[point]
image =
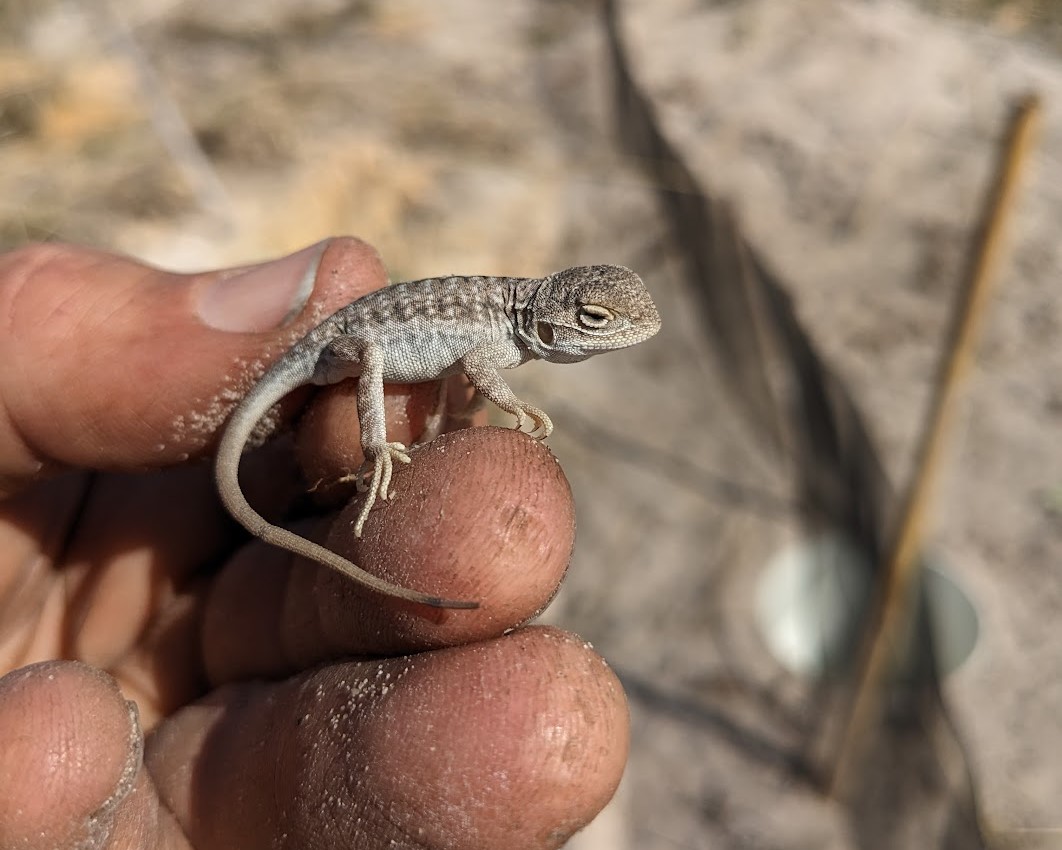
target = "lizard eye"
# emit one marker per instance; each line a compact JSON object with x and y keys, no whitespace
{"x":545,"y":332}
{"x":594,"y":316}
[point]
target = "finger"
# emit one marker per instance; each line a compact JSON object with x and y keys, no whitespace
{"x":483,"y":514}
{"x":128,"y":546}
{"x":328,"y":441}
{"x":90,"y":561}
{"x":108,"y":363}
{"x":515,"y":742}
{"x":70,"y":764}
{"x":109,"y":568}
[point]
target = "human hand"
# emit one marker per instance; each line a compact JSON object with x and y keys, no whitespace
{"x":120,"y":580}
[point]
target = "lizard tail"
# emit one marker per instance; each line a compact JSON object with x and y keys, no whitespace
{"x":256,"y":404}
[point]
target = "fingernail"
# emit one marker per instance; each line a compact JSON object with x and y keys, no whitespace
{"x":262,"y":297}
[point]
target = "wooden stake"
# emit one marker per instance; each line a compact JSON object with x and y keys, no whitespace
{"x":902,"y":566}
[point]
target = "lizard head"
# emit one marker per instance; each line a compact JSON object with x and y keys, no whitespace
{"x":586,"y":310}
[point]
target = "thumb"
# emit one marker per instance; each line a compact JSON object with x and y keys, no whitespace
{"x":109,"y":363}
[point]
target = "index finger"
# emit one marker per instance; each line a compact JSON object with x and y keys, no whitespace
{"x":483,"y":514}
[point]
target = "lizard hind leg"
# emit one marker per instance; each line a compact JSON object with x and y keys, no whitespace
{"x":382,"y":461}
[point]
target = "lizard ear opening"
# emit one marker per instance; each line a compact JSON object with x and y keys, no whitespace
{"x":545,"y":332}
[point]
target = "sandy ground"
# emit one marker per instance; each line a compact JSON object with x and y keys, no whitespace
{"x":855,"y":139}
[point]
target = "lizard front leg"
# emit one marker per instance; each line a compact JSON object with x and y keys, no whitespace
{"x":484,"y":375}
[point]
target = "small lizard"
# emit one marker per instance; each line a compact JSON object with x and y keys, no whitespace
{"x":424,"y":330}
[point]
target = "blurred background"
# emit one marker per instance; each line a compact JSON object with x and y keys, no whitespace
{"x":800,"y":183}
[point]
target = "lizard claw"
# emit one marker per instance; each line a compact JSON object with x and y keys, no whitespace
{"x":382,"y":458}
{"x":358,"y":477}
{"x":543,"y":426}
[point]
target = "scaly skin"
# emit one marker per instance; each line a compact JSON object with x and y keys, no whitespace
{"x":424,"y":330}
